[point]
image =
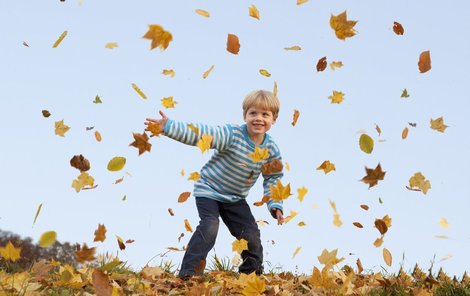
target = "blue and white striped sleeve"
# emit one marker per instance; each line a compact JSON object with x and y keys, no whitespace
{"x":271,"y":180}
{"x":222,"y":136}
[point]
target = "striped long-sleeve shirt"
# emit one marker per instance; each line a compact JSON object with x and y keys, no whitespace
{"x":230,"y":173}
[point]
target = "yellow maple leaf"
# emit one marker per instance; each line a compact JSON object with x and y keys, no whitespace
{"x":204,"y":143}
{"x":253,"y":11}
{"x":10,"y":252}
{"x":254,"y":285}
{"x":418,"y":180}
{"x":438,"y":124}
{"x":301,"y":192}
{"x":202,"y":12}
{"x":336,"y":64}
{"x":194,"y":176}
{"x":207,"y":72}
{"x":168,"y":102}
{"x":329,"y":258}
{"x":61,"y":128}
{"x":169,"y":72}
{"x":337,"y":97}
{"x":297,"y":250}
{"x":327,"y":167}
{"x":160,"y":37}
{"x":342,"y":27}
{"x":264,"y":72}
{"x":443,"y":223}
{"x":259,"y":154}
{"x":240,"y":245}
{"x":187,"y":225}
{"x":111,"y":45}
{"x":279,"y":192}
{"x":83,"y":181}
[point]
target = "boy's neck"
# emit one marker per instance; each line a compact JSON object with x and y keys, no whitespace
{"x":257,"y":139}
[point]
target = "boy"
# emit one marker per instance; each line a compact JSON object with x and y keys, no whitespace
{"x":227,"y":178}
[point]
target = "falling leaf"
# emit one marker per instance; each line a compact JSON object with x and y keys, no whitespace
{"x":89,"y":128}
{"x":240,"y":245}
{"x":47,"y":239}
{"x":404,"y":133}
{"x":358,"y":225}
{"x":342,"y":27}
{"x":254,"y":286}
{"x":83,"y":254}
{"x":295,"y":47}
{"x":275,"y":88}
{"x":424,"y":63}
{"x":180,"y":236}
{"x":380,"y":200}
{"x":412,"y":124}
{"x":419,"y":181}
{"x":61,"y":128}
{"x":141,"y":142}
{"x":80,"y":162}
{"x":175,"y":249}
{"x":378,"y":242}
{"x":46,"y":113}
{"x":100,"y":233}
{"x":387,"y":257}
{"x":194,"y":176}
{"x":381,"y":226}
{"x":301,"y":193}
{"x":182,"y":172}
{"x":59,"y":40}
{"x":327,"y":167}
{"x":264,"y":72}
{"x":170,"y":211}
{"x":202,"y":12}
{"x":253,"y":11}
{"x":301,"y":224}
{"x":111,"y":45}
{"x":119,"y":180}
{"x":359,"y":265}
{"x":446,"y":257}
{"x":295,"y":117}
{"x":398,"y":28}
{"x":259,"y":154}
{"x":300,"y":2}
{"x":337,"y":220}
{"x":441,"y":236}
{"x":373,"y":176}
{"x":438,"y":124}
{"x":297,"y":250}
{"x":160,"y":37}
{"x":98,"y":136}
{"x":168,"y":102}
{"x":25,"y":44}
{"x":377,"y":128}
{"x":10,"y":252}
{"x":272,"y":167}
{"x":287,"y":166}
{"x":279,"y":192}
{"x":139,"y":91}
{"x":264,"y":200}
{"x":366,"y":143}
{"x":101,"y":283}
{"x":443,"y":223}
{"x":117,"y":163}
{"x":124,"y":197}
{"x":207,"y":72}
{"x":337,"y":97}
{"x":233,"y":44}
{"x":83,"y":181}
{"x":329,"y":258}
{"x":187,"y":225}
{"x":154,"y":128}
{"x":321,"y":64}
{"x":365,"y":207}
{"x":404,"y":93}
{"x":37,"y":213}
{"x":170,"y":72}
{"x":291,"y":216}
{"x":336,"y":64}
{"x":204,"y":143}
{"x":184,"y":197}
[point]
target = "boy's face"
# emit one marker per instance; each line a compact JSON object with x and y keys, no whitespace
{"x":258,"y":121}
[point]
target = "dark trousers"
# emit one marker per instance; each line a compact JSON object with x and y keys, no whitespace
{"x":241,"y":224}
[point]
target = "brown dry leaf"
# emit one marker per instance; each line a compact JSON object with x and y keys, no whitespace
{"x":98,"y":136}
{"x":41,"y":269}
{"x":359,"y":265}
{"x":419,"y":181}
{"x":158,"y":35}
{"x":170,"y":211}
{"x":329,"y":258}
{"x":343,"y":28}
{"x":373,"y":176}
{"x":141,"y":142}
{"x":358,"y":225}
{"x":272,"y":167}
{"x":398,"y":28}
{"x":84,"y":254}
{"x":424,"y":63}
{"x":365,"y":207}
{"x":438,"y":124}
{"x":202,"y":12}
{"x":327,"y":167}
{"x":187,"y":226}
{"x":184,"y":196}
{"x":253,"y":11}
{"x":264,"y":200}
{"x":100,"y":233}
{"x":321,"y":64}
{"x":207,"y":72}
{"x":46,"y":113}
{"x":180,"y":237}
{"x":101,"y":283}
{"x":404,"y":133}
{"x":80,"y":163}
{"x":387,"y":257}
{"x":59,"y":40}
{"x":233,"y":44}
{"x":175,"y":249}
{"x":295,"y":117}
{"x":129,"y":241}
{"x":377,"y":128}
{"x":61,"y":128}
{"x":121,"y":244}
{"x":381,"y":226}
{"x":84,"y":181}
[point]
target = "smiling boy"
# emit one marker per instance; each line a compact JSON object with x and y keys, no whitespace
{"x":227,"y":178}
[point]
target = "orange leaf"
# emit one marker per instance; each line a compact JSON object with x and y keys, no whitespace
{"x":365,"y":207}
{"x":264,"y":200}
{"x":202,"y":12}
{"x":327,"y":167}
{"x":184,"y":196}
{"x":424,"y":63}
{"x":83,"y":254}
{"x":296,"y":116}
{"x":343,"y":28}
{"x":187,"y":225}
{"x":100,"y":233}
{"x":141,"y":142}
{"x":387,"y":257}
{"x":233,"y":44}
{"x":373,"y":176}
{"x":358,"y":225}
{"x":98,"y":136}
{"x":404,"y":133}
{"x":160,"y":37}
{"x":398,"y":28}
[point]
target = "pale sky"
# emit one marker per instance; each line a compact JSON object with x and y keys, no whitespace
{"x":378,"y":65}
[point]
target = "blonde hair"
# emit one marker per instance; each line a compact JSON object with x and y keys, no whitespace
{"x":262,"y":99}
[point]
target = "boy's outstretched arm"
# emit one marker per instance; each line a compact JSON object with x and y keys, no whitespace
{"x":279,"y":216}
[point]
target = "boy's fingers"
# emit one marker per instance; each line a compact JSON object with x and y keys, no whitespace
{"x":162,"y":114}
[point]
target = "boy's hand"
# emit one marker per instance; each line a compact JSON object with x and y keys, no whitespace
{"x":161,"y":122}
{"x":279,"y":217}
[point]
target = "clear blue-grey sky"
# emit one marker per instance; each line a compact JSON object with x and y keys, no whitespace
{"x":378,"y":65}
